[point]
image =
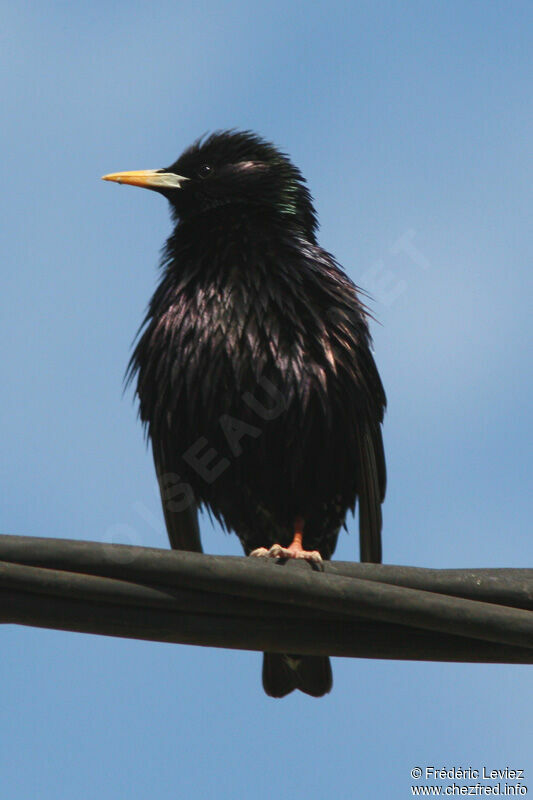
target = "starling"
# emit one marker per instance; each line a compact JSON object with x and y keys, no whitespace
{"x":255,"y":377}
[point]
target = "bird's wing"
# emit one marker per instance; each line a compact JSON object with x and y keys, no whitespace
{"x":371,"y":490}
{"x":372,"y":473}
{"x":347,"y":331}
{"x":179,"y":507}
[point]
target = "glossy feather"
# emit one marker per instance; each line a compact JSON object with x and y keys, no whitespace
{"x":256,"y":347}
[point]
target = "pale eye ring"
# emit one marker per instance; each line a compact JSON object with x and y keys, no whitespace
{"x":205,"y":170}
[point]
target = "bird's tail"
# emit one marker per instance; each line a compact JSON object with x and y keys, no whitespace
{"x":284,"y":673}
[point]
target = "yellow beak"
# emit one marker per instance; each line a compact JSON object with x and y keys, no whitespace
{"x":148,"y":179}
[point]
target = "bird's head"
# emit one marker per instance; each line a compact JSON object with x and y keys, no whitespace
{"x":230,"y":168}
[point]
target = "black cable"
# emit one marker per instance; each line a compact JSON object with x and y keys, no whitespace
{"x":347,"y":609}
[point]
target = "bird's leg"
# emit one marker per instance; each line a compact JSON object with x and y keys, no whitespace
{"x":294,"y":550}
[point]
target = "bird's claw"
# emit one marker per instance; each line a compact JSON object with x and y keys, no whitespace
{"x":277,"y":551}
{"x":260,"y":552}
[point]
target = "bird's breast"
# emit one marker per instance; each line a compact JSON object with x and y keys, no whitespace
{"x":229,"y":315}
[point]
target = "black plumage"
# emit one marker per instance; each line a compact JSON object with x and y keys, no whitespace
{"x":254,"y":371}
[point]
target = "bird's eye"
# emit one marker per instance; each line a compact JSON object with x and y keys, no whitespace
{"x":204,"y":171}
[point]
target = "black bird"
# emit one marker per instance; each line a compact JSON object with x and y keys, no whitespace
{"x":255,"y":377}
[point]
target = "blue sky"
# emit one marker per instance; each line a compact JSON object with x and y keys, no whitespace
{"x":410,"y":122}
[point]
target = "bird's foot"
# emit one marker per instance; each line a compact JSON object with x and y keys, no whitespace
{"x":294,"y":550}
{"x":260,"y":552}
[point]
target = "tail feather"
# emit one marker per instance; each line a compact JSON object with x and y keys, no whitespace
{"x":284,"y":673}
